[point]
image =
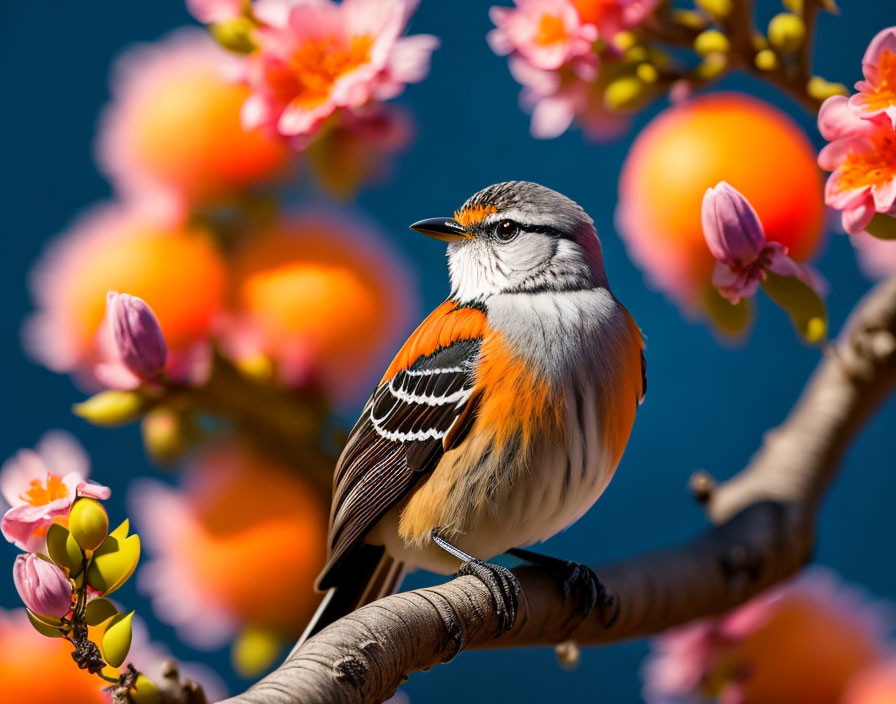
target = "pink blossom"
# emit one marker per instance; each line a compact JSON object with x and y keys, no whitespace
{"x":321,"y":299}
{"x":877,"y":93}
{"x":137,"y":334}
{"x":612,"y":16}
{"x":234,"y":508}
{"x":317,"y":57}
{"x":42,"y":586}
{"x":212,"y":11}
{"x":862,"y":158}
{"x":171,"y":137}
{"x":800,"y":641}
{"x":116,"y":247}
{"x":557,"y":98}
{"x":40,"y":486}
{"x":736,"y":239}
{"x":547,"y":33}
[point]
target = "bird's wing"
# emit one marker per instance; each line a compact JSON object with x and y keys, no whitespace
{"x":423,"y":407}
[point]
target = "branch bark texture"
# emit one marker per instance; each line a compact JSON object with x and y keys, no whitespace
{"x":763,"y":532}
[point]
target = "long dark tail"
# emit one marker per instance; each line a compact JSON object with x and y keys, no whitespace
{"x":373,"y":575}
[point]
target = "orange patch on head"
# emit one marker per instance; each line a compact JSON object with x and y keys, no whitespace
{"x":474,"y":214}
{"x":446,"y":324}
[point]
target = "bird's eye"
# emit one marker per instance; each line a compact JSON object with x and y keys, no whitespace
{"x":507,"y":230}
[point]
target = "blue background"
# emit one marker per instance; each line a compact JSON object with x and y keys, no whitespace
{"x":708,"y":405}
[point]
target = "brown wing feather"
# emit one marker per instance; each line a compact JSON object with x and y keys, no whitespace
{"x":400,"y":438}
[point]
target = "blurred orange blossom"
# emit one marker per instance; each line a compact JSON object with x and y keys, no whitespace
{"x":802,"y":641}
{"x":177,"y":271}
{"x":172,"y":133}
{"x":876,"y":685}
{"x":690,"y":147}
{"x":39,"y":670}
{"x":323,"y":298}
{"x":240,"y":545}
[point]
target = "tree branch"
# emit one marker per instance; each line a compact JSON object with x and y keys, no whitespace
{"x":764,"y":532}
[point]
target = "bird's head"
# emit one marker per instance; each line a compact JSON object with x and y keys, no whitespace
{"x":518,"y":237}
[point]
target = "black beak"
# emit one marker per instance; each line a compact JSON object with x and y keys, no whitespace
{"x":445,"y":229}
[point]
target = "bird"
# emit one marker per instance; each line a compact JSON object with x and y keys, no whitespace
{"x":502,"y":418}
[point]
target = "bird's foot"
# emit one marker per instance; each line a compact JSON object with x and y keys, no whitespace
{"x":579,"y":582}
{"x":503,"y":586}
{"x":582,"y":584}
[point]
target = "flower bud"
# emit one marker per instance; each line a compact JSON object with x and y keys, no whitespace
{"x":731,"y":227}
{"x":144,"y":691}
{"x":42,"y":586}
{"x":712,"y":66}
{"x":235,"y":35}
{"x":717,"y":8}
{"x":88,"y":523}
{"x":820,"y":89}
{"x":110,"y":408}
{"x":712,"y":41}
{"x":786,"y":32}
{"x":766,"y":60}
{"x":689,"y":18}
{"x":138,"y":335}
{"x":624,"y":93}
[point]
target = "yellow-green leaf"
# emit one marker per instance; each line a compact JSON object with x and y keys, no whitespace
{"x":64,"y":550}
{"x":113,"y":563}
{"x":731,"y":320}
{"x":121,"y":532}
{"x":805,"y":307}
{"x":99,"y":610}
{"x":117,"y":639}
{"x":44,"y":628}
{"x":882,"y":226}
{"x":235,"y":35}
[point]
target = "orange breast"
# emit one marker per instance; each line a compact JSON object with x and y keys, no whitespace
{"x":515,"y":400}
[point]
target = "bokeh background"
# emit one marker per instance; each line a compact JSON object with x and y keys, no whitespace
{"x":708,"y":404}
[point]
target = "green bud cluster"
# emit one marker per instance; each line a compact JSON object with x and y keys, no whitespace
{"x":91,"y":556}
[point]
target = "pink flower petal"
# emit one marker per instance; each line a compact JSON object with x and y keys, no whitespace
{"x":836,"y":120}
{"x":551,"y":117}
{"x":18,"y":472}
{"x":856,"y":219}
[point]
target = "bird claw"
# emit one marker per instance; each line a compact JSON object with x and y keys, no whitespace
{"x":503,"y":586}
{"x":581,"y":582}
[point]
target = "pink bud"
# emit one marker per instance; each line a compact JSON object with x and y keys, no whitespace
{"x":731,"y":226}
{"x":137,"y":333}
{"x":43,"y":587}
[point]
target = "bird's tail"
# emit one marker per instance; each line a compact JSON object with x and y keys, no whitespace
{"x":374,"y":575}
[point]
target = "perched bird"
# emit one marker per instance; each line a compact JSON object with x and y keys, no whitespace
{"x":503,"y":417}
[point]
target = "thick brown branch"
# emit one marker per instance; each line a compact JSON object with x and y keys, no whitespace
{"x":764,"y":533}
